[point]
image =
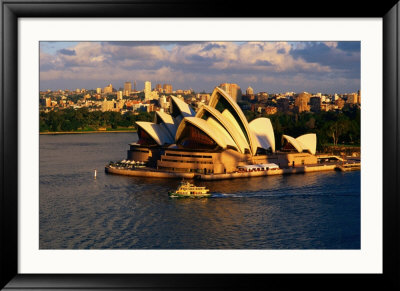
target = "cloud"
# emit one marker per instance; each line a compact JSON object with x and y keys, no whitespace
{"x":340,"y":57}
{"x":67,"y":52}
{"x":151,"y":43}
{"x":352,"y":46}
{"x":331,"y":44}
{"x":212,"y":46}
{"x":203,"y":65}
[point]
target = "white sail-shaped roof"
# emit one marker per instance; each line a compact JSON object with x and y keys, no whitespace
{"x":221,"y":131}
{"x":161,"y":116}
{"x":168,"y":121}
{"x":293,"y":142}
{"x":234,"y":114}
{"x":236,"y":135}
{"x":157,"y":131}
{"x":163,"y":130}
{"x":264,"y":133}
{"x":184,"y":108}
{"x":308,"y":142}
{"x":304,"y":142}
{"x":224,"y":123}
{"x":214,"y":130}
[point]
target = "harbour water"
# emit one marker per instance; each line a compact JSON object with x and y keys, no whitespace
{"x":78,"y":211}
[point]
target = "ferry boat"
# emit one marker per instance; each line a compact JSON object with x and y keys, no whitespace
{"x":187,"y":189}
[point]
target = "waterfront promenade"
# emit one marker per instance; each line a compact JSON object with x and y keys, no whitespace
{"x":153,"y":173}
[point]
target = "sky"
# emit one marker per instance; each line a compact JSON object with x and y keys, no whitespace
{"x":273,"y":67}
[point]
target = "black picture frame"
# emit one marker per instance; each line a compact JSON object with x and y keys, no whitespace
{"x":13,"y":9}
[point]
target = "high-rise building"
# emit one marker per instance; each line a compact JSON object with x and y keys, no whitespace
{"x":119,"y":95}
{"x":46,"y":102}
{"x":233,"y":90}
{"x":127,"y":88}
{"x":301,"y":102}
{"x":108,"y":89}
{"x":167,"y":88}
{"x":250,"y":93}
{"x":98,"y":90}
{"x":148,"y":94}
{"x":315,"y":104}
{"x":159,"y":88}
{"x":352,"y":98}
{"x":147,"y":90}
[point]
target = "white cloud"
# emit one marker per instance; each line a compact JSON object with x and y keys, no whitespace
{"x":206,"y":62}
{"x":331,"y":44}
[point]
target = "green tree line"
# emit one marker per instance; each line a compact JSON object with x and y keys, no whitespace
{"x":83,"y":119}
{"x":331,"y":127}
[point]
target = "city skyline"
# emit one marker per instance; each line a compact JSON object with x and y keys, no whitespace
{"x":329,"y":67}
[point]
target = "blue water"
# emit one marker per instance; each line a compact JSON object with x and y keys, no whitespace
{"x":302,"y":211}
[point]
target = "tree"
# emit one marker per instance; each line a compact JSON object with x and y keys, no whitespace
{"x":337,"y":129}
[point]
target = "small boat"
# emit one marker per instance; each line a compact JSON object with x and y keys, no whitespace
{"x":187,"y":189}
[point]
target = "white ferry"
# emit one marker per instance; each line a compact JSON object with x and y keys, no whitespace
{"x":187,"y":189}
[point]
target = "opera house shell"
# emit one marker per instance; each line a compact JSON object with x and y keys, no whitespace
{"x":303,"y":143}
{"x":216,"y":139}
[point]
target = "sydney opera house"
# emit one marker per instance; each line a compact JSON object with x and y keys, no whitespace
{"x":216,"y":139}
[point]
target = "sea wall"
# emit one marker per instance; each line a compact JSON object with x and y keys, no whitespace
{"x":287,"y":171}
{"x":177,"y":175}
{"x":342,"y":150}
{"x":148,"y":173}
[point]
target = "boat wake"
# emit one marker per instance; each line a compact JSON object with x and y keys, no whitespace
{"x":272,"y":195}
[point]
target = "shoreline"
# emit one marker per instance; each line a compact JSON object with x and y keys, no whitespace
{"x":153,"y":173}
{"x":83,"y":132}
